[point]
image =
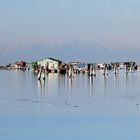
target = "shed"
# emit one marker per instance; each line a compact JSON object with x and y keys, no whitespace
{"x":50,"y":63}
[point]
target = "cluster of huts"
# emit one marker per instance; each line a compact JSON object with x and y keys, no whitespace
{"x":51,"y":65}
{"x":19,"y":65}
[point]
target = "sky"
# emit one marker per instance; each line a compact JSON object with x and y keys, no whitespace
{"x":90,"y":30}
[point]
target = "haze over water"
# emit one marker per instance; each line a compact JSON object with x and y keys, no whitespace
{"x":63,"y":108}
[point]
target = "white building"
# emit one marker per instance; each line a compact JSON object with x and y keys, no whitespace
{"x":51,"y":63}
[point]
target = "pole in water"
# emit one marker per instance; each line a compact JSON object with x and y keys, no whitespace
{"x":126,"y":69}
{"x":106,"y":71}
{"x":91,"y":70}
{"x":115,"y":69}
{"x":94,"y":71}
{"x":71,"y":72}
{"x":103,"y":71}
{"x":39,"y":75}
{"x":43,"y":74}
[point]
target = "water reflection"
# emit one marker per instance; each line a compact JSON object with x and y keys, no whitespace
{"x":61,"y":81}
{"x":41,"y":86}
{"x":105,"y":86}
{"x":70,"y":84}
{"x":82,"y":88}
{"x":116,"y":80}
{"x":127,"y":81}
{"x":20,"y":78}
{"x":62,"y":90}
{"x":63,"y":112}
{"x":92,"y":85}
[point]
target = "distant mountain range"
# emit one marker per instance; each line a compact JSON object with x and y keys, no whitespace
{"x":70,"y":51}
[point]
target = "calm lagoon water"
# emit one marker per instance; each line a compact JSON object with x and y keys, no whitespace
{"x":74,"y":109}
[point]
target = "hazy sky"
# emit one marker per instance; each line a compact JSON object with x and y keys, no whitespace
{"x":112,"y":24}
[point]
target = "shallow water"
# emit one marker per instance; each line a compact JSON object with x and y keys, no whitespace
{"x":62,"y":108}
